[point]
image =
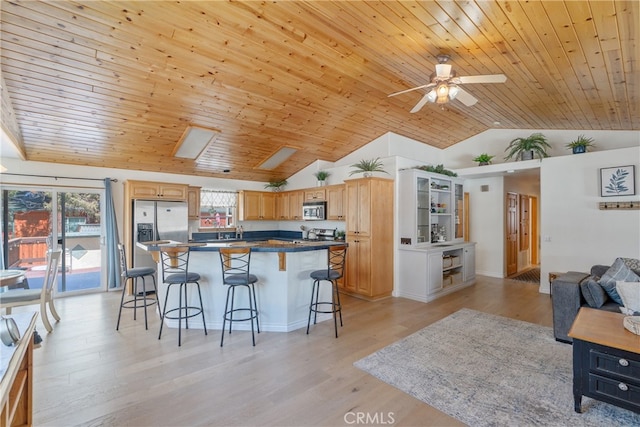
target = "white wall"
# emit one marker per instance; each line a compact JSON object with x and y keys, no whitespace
{"x":486,"y":224}
{"x":575,"y":233}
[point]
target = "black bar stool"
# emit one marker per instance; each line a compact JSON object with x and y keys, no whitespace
{"x":175,"y":271}
{"x":139,"y":298}
{"x":335,"y":270}
{"x":235,"y":272}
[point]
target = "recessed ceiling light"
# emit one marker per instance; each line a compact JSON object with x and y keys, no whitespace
{"x":278,"y":157}
{"x":193,"y":142}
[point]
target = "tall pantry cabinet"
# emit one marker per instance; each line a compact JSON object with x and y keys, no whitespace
{"x":369,"y":233}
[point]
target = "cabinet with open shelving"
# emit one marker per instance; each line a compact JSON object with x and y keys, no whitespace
{"x":432,"y":208}
{"x":429,"y":272}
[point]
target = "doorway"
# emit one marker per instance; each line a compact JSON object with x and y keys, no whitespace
{"x":35,"y":220}
{"x":521,"y":232}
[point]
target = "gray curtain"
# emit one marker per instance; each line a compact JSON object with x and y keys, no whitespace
{"x":113,"y":263}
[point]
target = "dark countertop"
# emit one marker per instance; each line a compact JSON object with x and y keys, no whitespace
{"x":272,"y":245}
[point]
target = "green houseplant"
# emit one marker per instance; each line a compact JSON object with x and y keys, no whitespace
{"x":527,"y":148}
{"x":437,"y":169}
{"x":580,"y":144}
{"x":483,"y":159}
{"x":276,"y":185}
{"x":321,"y":176}
{"x":367,"y":167}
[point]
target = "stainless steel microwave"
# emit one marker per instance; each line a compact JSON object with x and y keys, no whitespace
{"x":314,"y":211}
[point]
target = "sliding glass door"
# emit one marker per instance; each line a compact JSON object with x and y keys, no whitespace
{"x":35,"y":220}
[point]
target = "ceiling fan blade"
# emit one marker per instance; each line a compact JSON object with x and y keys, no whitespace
{"x":465,"y":97}
{"x":490,"y":78}
{"x":409,"y":90}
{"x":420,"y":103}
{"x":443,"y":71}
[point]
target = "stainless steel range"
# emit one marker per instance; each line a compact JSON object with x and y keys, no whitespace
{"x":321,"y":234}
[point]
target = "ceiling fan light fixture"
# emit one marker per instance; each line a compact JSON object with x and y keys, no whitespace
{"x":442,"y":92}
{"x":453,"y":91}
{"x":432,"y":96}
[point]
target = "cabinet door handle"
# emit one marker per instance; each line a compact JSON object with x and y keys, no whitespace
{"x":623,"y":387}
{"x":623,"y":362}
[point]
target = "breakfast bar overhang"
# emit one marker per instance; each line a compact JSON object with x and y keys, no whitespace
{"x":284,"y":284}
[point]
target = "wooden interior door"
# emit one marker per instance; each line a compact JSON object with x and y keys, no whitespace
{"x":524,"y":222}
{"x":535,"y":255}
{"x":512,"y":234}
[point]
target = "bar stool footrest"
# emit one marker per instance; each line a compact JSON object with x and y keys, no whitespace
{"x":253,"y":315}
{"x":314,"y":307}
{"x":188,"y":315}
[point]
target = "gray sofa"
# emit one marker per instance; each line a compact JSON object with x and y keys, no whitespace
{"x":567,"y":299}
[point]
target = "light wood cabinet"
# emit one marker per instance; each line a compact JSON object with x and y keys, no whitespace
{"x":335,"y":202}
{"x":313,"y":194}
{"x":193,"y":202}
{"x":369,"y":233}
{"x":257,"y":205}
{"x":296,"y":199}
{"x":156,"y":190}
{"x":282,"y":206}
{"x":289,"y":205}
{"x":17,"y":378}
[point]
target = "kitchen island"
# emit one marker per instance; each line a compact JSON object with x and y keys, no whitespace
{"x":283,"y":290}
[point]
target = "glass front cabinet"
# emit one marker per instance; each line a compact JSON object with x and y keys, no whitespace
{"x":431,"y":207}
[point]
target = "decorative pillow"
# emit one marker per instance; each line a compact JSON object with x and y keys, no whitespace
{"x":633,"y":264}
{"x":592,"y":292}
{"x":630,"y":294}
{"x":618,"y":271}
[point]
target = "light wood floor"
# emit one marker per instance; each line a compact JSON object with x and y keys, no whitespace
{"x":86,"y":373}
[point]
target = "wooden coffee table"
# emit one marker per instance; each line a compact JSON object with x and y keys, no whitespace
{"x":606,"y":360}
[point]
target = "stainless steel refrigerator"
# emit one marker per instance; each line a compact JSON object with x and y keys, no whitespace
{"x":157,"y":220}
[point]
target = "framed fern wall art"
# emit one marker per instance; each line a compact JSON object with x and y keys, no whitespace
{"x":618,"y":181}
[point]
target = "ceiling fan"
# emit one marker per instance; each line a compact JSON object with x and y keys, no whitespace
{"x":445,"y":83}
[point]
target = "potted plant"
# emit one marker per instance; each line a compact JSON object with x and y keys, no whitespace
{"x":367,"y":167}
{"x":437,"y":169}
{"x":321,"y":176}
{"x":276,"y":185}
{"x":483,"y":159}
{"x":526,"y":148}
{"x":580,"y":144}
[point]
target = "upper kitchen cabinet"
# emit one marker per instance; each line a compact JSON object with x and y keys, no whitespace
{"x":335,"y":202}
{"x":155,"y":190}
{"x":289,"y":205}
{"x":257,"y":205}
{"x":193,"y":202}
{"x":296,"y":199}
{"x":369,"y":233}
{"x":313,"y":194}
{"x":432,"y":208}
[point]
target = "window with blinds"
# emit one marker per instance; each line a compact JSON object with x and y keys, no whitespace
{"x":217,"y":208}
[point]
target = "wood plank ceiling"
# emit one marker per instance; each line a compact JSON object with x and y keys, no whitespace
{"x":115,"y":83}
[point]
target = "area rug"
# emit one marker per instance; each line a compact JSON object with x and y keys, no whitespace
{"x":532,"y":276}
{"x":487,"y":370}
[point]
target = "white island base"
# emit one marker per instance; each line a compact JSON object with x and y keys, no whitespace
{"x":283,"y":295}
